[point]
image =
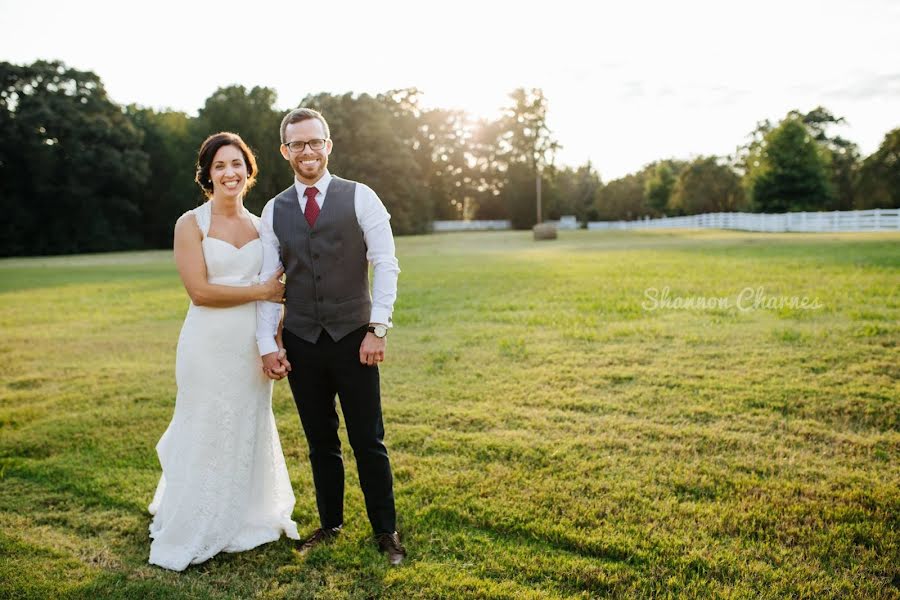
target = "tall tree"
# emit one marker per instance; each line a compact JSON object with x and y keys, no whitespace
{"x":658,"y":188}
{"x":879,"y":176}
{"x":573,"y":191}
{"x":629,"y":197}
{"x":622,"y":198}
{"x":488,"y":169}
{"x":71,"y":166}
{"x":707,"y":185}
{"x":659,"y":185}
{"x":170,"y":191}
{"x":440,"y":141}
{"x":526,"y":148}
{"x":790,"y":172}
{"x":841,"y":155}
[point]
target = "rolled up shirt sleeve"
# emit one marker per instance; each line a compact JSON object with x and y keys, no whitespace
{"x":268,"y":314}
{"x":375,"y":222}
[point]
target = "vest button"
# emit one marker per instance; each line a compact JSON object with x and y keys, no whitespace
{"x":316,"y":255}
{"x":321,"y":299}
{"x":318,"y":278}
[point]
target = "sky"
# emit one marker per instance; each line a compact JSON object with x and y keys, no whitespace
{"x":627,"y":82}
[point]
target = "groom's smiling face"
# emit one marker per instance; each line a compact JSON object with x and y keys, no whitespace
{"x":308,"y":164}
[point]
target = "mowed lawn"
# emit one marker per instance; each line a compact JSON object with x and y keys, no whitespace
{"x":551,"y":437}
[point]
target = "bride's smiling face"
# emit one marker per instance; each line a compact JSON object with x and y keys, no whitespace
{"x":228,"y":172}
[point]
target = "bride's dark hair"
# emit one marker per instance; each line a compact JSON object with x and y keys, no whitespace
{"x":208,"y":150}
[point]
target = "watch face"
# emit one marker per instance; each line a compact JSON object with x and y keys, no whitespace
{"x":380,"y":331}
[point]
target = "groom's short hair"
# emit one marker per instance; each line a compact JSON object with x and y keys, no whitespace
{"x":302,"y":114}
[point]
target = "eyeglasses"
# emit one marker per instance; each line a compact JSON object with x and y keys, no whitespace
{"x":301,"y":146}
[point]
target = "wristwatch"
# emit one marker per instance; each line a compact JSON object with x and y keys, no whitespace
{"x":379,"y":330}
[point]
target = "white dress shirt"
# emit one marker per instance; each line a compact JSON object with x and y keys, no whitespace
{"x":374,"y":221}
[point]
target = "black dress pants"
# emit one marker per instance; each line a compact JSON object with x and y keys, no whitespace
{"x":319,"y":372}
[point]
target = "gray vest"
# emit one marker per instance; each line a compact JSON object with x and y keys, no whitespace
{"x":326,"y":267}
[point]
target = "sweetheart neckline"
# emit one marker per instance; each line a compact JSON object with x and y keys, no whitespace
{"x":230,"y":244}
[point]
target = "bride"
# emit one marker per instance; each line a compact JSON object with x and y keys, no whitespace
{"x":224,"y":484}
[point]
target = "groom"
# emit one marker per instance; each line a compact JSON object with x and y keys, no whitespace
{"x":326,"y":230}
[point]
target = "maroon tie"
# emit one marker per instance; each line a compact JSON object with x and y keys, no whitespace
{"x":312,"y":208}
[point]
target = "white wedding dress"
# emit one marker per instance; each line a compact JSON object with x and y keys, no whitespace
{"x":224,"y":484}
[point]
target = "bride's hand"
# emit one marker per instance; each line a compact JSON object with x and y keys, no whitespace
{"x":272,"y":367}
{"x":273,"y":289}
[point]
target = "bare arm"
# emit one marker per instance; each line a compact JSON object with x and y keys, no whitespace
{"x":192,"y":269}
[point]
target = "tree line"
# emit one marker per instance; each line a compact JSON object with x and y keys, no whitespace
{"x":79,"y":173}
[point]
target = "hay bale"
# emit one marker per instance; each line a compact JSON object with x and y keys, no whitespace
{"x":544,"y":231}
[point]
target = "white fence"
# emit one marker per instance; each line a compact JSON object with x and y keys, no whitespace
{"x":879,"y":219}
{"x":470,"y":225}
{"x":566,"y":222}
{"x":848,"y":220}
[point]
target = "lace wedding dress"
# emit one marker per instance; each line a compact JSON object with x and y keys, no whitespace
{"x":224,"y":484}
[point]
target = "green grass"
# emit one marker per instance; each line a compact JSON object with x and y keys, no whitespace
{"x":550,"y":437}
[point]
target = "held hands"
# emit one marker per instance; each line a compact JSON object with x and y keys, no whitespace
{"x":276,"y":365}
{"x":273,"y":289}
{"x":371,"y":351}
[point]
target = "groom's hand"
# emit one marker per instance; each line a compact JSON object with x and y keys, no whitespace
{"x":275,"y":364}
{"x":282,"y":358}
{"x":371,"y":351}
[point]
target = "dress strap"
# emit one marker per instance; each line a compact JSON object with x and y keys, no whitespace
{"x":203,"y":214}
{"x":254,"y":218}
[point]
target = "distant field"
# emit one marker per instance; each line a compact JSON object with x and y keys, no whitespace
{"x":551,"y":437}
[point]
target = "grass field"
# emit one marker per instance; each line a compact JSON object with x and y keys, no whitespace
{"x":551,"y":436}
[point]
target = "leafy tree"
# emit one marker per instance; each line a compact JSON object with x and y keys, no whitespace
{"x":71,"y":166}
{"x":879,"y":176}
{"x":440,"y":141}
{"x":78,"y":173}
{"x":622,"y":198}
{"x":840,"y":158}
{"x":705,"y":186}
{"x":170,"y":190}
{"x":488,"y":169}
{"x":629,"y":197}
{"x":790,"y":172}
{"x":658,"y":188}
{"x":659,"y":185}
{"x":573,"y":192}
{"x":449,"y":173}
{"x":519,"y":194}
{"x":841,"y":155}
{"x":525,"y":148}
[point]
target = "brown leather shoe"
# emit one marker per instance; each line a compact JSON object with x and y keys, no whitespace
{"x":390,"y":543}
{"x":319,"y":536}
